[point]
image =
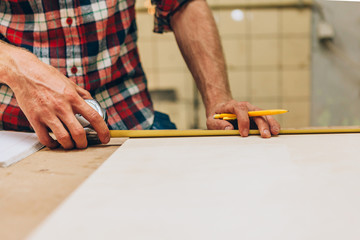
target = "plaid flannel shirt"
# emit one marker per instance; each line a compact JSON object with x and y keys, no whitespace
{"x":93,"y":43}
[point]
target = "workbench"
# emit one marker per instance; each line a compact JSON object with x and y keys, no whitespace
{"x":32,"y":188}
{"x":287,"y":187}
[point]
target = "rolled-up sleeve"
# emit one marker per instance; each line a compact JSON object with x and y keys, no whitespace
{"x":164,"y":9}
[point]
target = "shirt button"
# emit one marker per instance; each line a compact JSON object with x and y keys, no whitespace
{"x":74,"y":69}
{"x":69,"y":21}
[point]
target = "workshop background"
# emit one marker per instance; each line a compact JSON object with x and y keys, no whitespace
{"x":275,"y":59}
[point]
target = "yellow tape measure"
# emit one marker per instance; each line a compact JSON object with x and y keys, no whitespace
{"x":204,"y":133}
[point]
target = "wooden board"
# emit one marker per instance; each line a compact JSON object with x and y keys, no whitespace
{"x":287,"y":187}
{"x":32,"y":188}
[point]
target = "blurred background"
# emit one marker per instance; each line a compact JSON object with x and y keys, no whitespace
{"x":303,"y":56}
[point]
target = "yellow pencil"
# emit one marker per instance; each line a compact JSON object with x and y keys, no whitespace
{"x":230,"y":116}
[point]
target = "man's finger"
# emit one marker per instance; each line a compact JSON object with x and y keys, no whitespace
{"x":263,"y":127}
{"x":76,"y":130}
{"x":217,"y":124}
{"x":44,"y":137}
{"x":96,"y":121}
{"x":241,"y":111}
{"x":83,"y":93}
{"x":274,"y":125}
{"x":61,"y":134}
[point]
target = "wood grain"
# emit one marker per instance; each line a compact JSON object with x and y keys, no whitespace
{"x":32,"y":188}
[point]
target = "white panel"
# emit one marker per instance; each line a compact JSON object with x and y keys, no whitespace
{"x":286,"y":187}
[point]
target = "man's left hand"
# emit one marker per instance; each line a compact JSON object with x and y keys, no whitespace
{"x":267,"y":125}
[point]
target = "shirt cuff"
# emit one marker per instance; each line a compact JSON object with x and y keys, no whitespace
{"x":163,"y":11}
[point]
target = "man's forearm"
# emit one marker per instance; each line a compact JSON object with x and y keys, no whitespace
{"x":10,"y":64}
{"x":198,"y":39}
{"x":5,"y":62}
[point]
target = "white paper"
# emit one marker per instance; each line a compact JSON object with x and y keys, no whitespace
{"x":15,"y":146}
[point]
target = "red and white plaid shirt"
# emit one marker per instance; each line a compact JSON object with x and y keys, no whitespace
{"x":92,"y":42}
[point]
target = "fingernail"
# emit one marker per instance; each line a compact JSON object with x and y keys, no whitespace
{"x":266,"y":132}
{"x":228,"y":128}
{"x":245,"y":132}
{"x":276,"y":129}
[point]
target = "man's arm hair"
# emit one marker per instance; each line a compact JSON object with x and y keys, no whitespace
{"x":199,"y":42}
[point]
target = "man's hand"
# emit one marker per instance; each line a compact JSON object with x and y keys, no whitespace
{"x":267,"y":124}
{"x":49,"y":100}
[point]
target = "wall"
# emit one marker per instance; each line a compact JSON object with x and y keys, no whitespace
{"x":267,"y":54}
{"x":336,"y":82}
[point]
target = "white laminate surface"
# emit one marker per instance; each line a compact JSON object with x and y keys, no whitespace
{"x":286,"y":187}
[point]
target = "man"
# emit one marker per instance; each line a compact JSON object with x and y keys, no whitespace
{"x":55,"y":54}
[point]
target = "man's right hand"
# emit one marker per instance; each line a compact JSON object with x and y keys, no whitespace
{"x":49,"y":100}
